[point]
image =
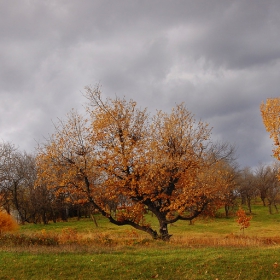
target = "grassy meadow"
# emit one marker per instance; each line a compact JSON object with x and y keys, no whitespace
{"x":212,"y":248}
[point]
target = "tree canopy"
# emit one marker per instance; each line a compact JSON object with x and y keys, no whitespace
{"x":126,"y":162}
{"x":270,"y":112}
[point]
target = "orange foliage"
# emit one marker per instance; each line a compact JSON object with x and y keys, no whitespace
{"x":243,"y":220}
{"x":270,"y":112}
{"x":120,"y":158}
{"x":7,"y":222}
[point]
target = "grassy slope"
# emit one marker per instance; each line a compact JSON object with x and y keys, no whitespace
{"x":149,"y":259}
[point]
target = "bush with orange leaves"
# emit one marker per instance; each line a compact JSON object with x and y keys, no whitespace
{"x":7,"y":222}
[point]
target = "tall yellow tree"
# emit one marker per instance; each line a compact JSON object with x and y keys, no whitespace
{"x":270,"y":112}
{"x":126,"y":163}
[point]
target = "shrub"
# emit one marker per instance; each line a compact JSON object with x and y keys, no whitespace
{"x":7,"y":222}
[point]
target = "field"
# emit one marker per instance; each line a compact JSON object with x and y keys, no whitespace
{"x":209,"y":249}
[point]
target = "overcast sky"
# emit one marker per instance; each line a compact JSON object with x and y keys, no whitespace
{"x":222,"y":58}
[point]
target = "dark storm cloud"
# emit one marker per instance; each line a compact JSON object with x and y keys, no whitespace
{"x":219,"y":57}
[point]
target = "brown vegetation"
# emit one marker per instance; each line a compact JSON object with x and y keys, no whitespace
{"x":7,"y":223}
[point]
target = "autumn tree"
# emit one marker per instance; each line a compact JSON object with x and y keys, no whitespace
{"x":125,"y":163}
{"x":270,"y":112}
{"x":243,"y":220}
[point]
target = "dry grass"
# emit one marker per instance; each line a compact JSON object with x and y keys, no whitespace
{"x":83,"y":236}
{"x":70,"y":240}
{"x":229,"y":240}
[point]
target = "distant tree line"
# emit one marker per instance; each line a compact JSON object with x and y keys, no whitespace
{"x":26,"y":201}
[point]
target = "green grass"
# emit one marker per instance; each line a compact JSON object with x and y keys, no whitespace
{"x":82,"y":225}
{"x":212,"y":248}
{"x":262,"y":224}
{"x":131,"y":263}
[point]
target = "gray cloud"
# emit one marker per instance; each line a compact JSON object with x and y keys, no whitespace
{"x":219,"y":57}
